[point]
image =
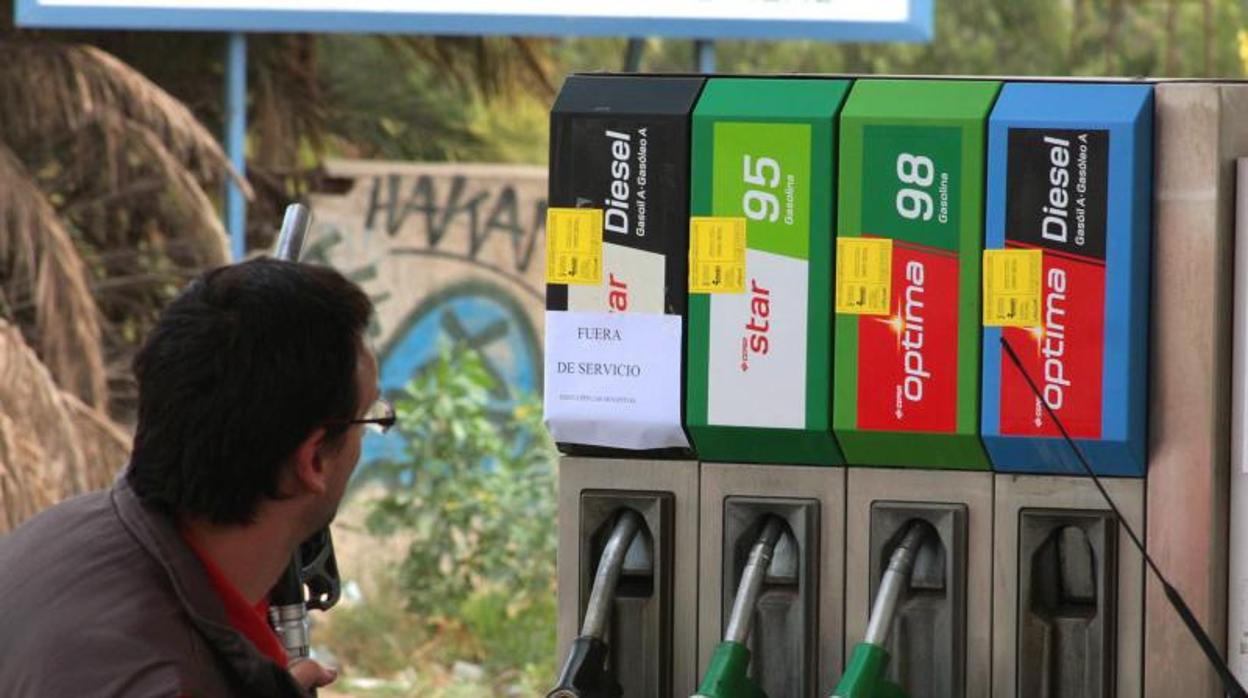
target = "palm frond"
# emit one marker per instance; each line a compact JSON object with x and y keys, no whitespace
{"x":65,"y":86}
{"x":105,"y":446}
{"x":34,"y":408}
{"x":24,"y":488}
{"x":52,"y":445}
{"x":108,"y":161}
{"x":38,"y":261}
{"x":119,"y":164}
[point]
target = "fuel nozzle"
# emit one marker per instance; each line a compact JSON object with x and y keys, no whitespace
{"x":727,"y":675}
{"x":864,"y":676}
{"x":895,"y":581}
{"x":586,"y":672}
{"x":752,"y":578}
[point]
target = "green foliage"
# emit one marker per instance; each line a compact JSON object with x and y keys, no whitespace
{"x":417,"y":105}
{"x":374,"y":638}
{"x":1242,"y":40}
{"x":402,"y":111}
{"x":473,"y":500}
{"x":475,"y":496}
{"x":985,"y":37}
{"x":511,"y":635}
{"x":972,"y":37}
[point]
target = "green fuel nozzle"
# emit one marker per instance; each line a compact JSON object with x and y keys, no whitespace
{"x":727,"y":675}
{"x":866,"y":673}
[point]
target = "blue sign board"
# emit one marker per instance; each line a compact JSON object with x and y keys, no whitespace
{"x":832,"y":20}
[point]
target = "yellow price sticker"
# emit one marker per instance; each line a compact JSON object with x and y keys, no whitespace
{"x":864,"y":276}
{"x":717,"y":255}
{"x":574,"y":246}
{"x":1012,"y":287}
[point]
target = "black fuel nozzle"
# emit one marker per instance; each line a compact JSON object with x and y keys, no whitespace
{"x":309,"y":582}
{"x":587,"y":672}
{"x":320,"y":571}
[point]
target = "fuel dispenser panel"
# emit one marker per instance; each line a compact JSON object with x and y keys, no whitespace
{"x":1067,"y":561}
{"x":1069,"y":589}
{"x":636,"y":621}
{"x":928,"y":642}
{"x":789,"y":627}
{"x":782,"y":637}
{"x":627,"y":566}
{"x":939,"y":637}
{"x":624,"y":570}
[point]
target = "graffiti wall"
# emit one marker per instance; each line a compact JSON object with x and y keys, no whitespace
{"x":446,"y":251}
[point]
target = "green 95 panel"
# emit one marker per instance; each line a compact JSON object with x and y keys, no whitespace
{"x":759,"y":386}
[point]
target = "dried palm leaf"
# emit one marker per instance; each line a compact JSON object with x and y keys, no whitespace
{"x":124,"y":165}
{"x":34,"y":405}
{"x":105,"y":446}
{"x":52,"y":445}
{"x":141,"y":178}
{"x":25,"y":488}
{"x":38,"y":260}
{"x":64,"y":86}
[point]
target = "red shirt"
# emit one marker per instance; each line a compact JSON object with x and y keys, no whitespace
{"x":251,"y":621}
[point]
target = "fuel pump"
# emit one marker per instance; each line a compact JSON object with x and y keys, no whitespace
{"x":587,"y":672}
{"x":864,"y":676}
{"x":727,"y":675}
{"x":311,"y":579}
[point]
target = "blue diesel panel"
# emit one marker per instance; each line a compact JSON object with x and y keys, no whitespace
{"x":1070,"y":173}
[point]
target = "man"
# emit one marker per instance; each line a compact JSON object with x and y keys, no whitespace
{"x":254,"y":388}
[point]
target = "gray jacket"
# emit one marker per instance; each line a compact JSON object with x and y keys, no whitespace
{"x":100,"y":596}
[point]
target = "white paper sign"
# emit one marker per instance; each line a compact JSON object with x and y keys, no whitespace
{"x":614,"y":379}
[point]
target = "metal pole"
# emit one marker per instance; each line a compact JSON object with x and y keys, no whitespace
{"x":236,"y":140}
{"x":705,"y":49}
{"x":632,"y":58}
{"x":293,"y":232}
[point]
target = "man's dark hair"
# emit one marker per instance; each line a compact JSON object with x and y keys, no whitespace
{"x":239,"y":370}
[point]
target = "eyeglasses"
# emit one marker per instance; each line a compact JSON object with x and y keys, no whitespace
{"x":379,"y":417}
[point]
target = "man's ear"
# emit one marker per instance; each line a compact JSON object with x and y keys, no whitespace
{"x":308,"y":466}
